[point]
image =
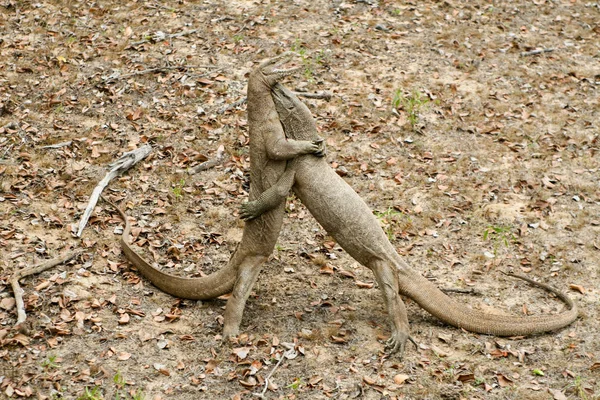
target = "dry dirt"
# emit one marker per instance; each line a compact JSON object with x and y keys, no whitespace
{"x":475,"y":158}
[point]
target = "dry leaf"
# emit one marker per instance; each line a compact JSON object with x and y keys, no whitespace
{"x":503,"y":381}
{"x":399,"y":379}
{"x":363,"y":285}
{"x":578,"y":288}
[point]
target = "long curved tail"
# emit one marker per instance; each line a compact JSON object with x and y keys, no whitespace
{"x":438,"y":304}
{"x":206,"y":287}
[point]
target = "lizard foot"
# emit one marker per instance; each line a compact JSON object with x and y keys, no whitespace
{"x":229,"y":332}
{"x":397,"y":343}
{"x":250,"y":210}
{"x":321,"y":149}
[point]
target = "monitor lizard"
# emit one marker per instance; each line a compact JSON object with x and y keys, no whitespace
{"x":269,"y":150}
{"x":347,"y":218}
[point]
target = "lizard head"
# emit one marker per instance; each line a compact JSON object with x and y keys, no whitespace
{"x":270,"y":71}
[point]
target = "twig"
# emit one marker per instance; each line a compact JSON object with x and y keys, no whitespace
{"x":116,"y":75}
{"x":262,"y":394}
{"x":210,"y":163}
{"x":126,"y":161}
{"x":57,"y":145}
{"x":460,"y":290}
{"x":231,"y":106}
{"x":159,"y":36}
{"x":11,"y":125}
{"x":325,"y":95}
{"x":18,"y":291}
{"x":536,"y":51}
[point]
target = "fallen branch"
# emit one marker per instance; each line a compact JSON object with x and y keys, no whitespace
{"x":325,"y":95}
{"x":262,"y":394}
{"x":319,"y":95}
{"x":57,"y":145}
{"x":18,"y":291}
{"x":126,"y":161}
{"x":462,"y":291}
{"x":159,"y":36}
{"x":220,"y":159}
{"x":536,"y":51}
{"x":231,"y":106}
{"x":116,"y":75}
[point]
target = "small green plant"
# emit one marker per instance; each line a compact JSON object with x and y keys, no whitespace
{"x":412,"y":104}
{"x":59,"y":109}
{"x":538,"y":372}
{"x":50,"y":362}
{"x":178,"y":189}
{"x":499,"y":235}
{"x":139,"y":395}
{"x":296,"y":384}
{"x":389,"y":219}
{"x":238,"y":38}
{"x":306,"y":61}
{"x":579,"y":389}
{"x":478,"y":381}
{"x":91,"y":394}
{"x":119,"y":380}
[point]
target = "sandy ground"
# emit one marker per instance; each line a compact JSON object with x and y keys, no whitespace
{"x":476,"y":155}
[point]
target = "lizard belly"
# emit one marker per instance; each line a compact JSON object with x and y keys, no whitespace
{"x":341,"y":212}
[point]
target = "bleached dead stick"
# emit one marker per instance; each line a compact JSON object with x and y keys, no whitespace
{"x":159,"y":36}
{"x":324,"y":95}
{"x":18,"y":291}
{"x":126,"y":161}
{"x":262,"y":394}
{"x":220,"y":159}
{"x":536,"y":51}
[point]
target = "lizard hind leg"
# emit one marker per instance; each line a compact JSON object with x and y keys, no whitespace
{"x":247,"y":274}
{"x":385,"y":274}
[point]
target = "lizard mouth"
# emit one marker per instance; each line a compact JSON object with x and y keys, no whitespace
{"x":273,"y":67}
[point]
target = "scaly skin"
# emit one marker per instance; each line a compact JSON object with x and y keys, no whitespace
{"x":346,"y":217}
{"x":269,"y":150}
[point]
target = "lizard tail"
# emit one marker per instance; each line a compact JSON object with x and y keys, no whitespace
{"x":203,"y":288}
{"x":434,"y":301}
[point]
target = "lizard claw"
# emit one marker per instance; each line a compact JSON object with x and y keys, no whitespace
{"x":322,"y":150}
{"x":397,"y":343}
{"x":249,"y":211}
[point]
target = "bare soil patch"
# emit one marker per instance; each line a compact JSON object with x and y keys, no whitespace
{"x":475,"y":157}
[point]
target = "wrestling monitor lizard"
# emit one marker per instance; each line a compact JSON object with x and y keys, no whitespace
{"x":346,"y":217}
{"x":269,"y":150}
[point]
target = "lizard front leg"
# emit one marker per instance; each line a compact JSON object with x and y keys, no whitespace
{"x":277,"y":193}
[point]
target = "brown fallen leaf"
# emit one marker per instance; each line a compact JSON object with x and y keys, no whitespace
{"x":578,"y":288}
{"x":338,"y":339}
{"x":503,"y":381}
{"x":368,"y":380}
{"x":249,"y":382}
{"x":124,"y":319}
{"x":123,"y":356}
{"x":399,"y":379}
{"x":466,"y":377}
{"x":557,"y":394}
{"x":363,"y":285}
{"x":326,"y":269}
